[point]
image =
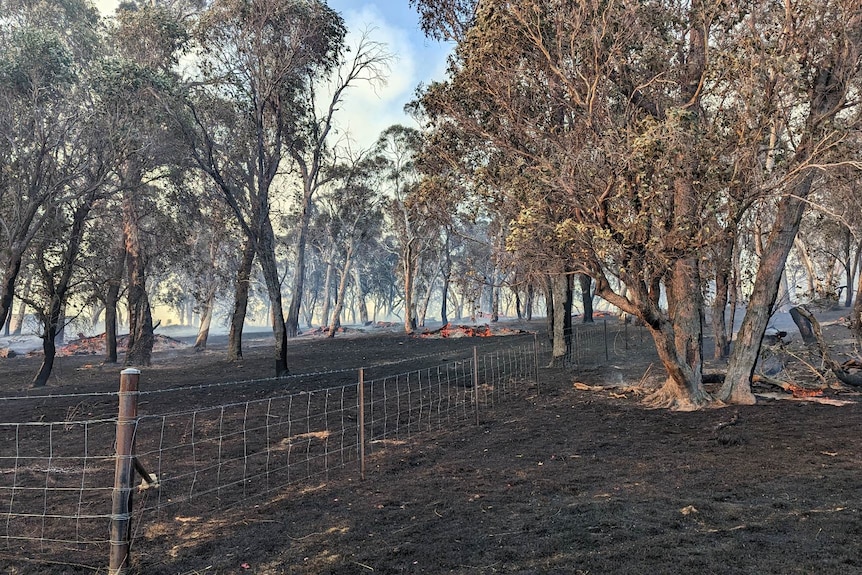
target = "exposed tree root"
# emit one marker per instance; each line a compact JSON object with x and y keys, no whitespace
{"x":669,"y":397}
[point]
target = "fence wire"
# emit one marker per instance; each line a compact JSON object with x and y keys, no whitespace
{"x":591,"y":344}
{"x":56,"y":478}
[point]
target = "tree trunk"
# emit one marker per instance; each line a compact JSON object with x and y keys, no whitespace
{"x":528,"y":305}
{"x":327,"y":288}
{"x":206,"y":321}
{"x":723,"y":262}
{"x":240,"y":301}
{"x":361,"y":302}
{"x":560,"y":290}
{"x":585,"y":282}
{"x":444,"y":299}
{"x":266,"y":258}
{"x":141,"y":337}
{"x":10,"y":275}
{"x":426,"y":301}
{"x":550,"y":311}
{"x":737,"y":383}
{"x":53,"y":318}
{"x":495,"y":298}
{"x":518,"y":305}
{"x":804,"y":326}
{"x":856,"y":314}
{"x":733,"y":297}
{"x":292,"y":325}
{"x":8,"y":325}
{"x":408,"y":266}
{"x":679,"y":342}
{"x":811,"y":275}
{"x":22,"y":307}
{"x":852,"y":270}
{"x":49,"y":353}
{"x":447,"y":276}
{"x":112,"y":298}
{"x":342,"y":290}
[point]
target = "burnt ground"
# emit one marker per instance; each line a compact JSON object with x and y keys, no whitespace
{"x":556,"y":480}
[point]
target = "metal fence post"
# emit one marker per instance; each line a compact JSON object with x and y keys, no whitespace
{"x":626,"y":331}
{"x":536,"y":358}
{"x":121,"y":509}
{"x":476,"y":381}
{"x":361,"y":424}
{"x":607,"y":355}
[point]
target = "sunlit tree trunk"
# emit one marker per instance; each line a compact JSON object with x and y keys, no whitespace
{"x":361,"y":298}
{"x":426,"y":300}
{"x":292,"y":325}
{"x":327,"y":287}
{"x":408,"y":270}
{"x":810,"y":274}
{"x":240,"y":301}
{"x":856,"y":315}
{"x":22,"y":307}
{"x":853,"y":269}
{"x":342,"y":290}
{"x":206,"y":319}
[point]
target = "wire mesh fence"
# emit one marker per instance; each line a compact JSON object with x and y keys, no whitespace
{"x":57,"y":479}
{"x":601,"y":342}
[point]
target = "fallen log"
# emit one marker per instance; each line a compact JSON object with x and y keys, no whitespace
{"x":792,"y":388}
{"x":854,"y":380}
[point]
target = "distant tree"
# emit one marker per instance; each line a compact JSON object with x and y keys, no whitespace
{"x":312,"y":152}
{"x":408,"y":214}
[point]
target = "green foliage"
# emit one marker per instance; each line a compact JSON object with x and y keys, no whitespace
{"x":36,"y":63}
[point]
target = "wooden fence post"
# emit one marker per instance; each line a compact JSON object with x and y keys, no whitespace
{"x":121,"y":509}
{"x":361,"y":407}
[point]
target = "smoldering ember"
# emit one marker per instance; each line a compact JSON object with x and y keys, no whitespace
{"x":319,"y":286}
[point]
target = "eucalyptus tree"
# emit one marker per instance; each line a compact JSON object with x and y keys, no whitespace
{"x":651,"y":128}
{"x":103,"y":264}
{"x":44,"y":50}
{"x":313,"y":153}
{"x":408,"y":210}
{"x":146,"y":43}
{"x":256,"y":61}
{"x":53,"y":155}
{"x":360,"y":221}
{"x":813,"y":111}
{"x":56,"y":278}
{"x":349,"y":223}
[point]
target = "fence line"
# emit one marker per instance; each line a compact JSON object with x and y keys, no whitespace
{"x":56,"y":478}
{"x":596,"y":343}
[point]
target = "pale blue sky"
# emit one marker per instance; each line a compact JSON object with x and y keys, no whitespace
{"x":418,"y":60}
{"x":367,"y":110}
